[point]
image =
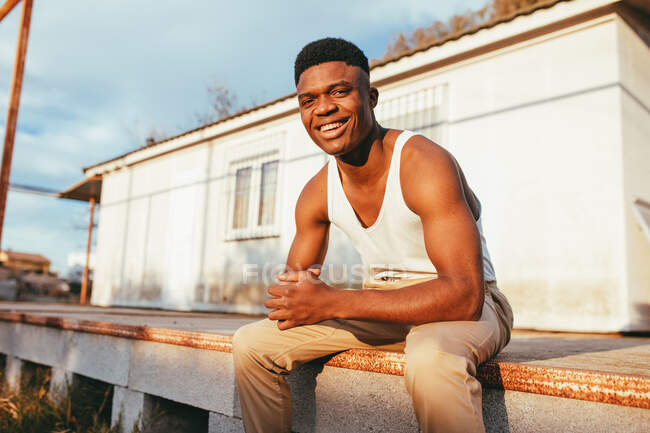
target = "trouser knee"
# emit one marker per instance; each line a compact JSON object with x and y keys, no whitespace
{"x":431,"y":364}
{"x":245,"y":344}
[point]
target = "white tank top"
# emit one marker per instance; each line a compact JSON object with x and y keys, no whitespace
{"x":392,"y":247}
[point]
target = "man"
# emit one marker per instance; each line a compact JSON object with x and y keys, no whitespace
{"x":405,"y":203}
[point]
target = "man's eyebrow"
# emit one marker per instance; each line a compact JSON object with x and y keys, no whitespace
{"x":340,"y":83}
{"x":305,"y":94}
{"x":329,"y":88}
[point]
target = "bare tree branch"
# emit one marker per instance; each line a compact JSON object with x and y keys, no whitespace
{"x":438,"y":30}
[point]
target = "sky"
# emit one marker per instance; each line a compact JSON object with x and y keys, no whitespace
{"x":99,"y":76}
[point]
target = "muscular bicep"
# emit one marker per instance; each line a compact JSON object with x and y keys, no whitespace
{"x":309,"y":245}
{"x":434,"y":191}
{"x":453,"y":243}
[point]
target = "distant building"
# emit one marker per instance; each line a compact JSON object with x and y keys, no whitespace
{"x":547,"y":112}
{"x":24,"y":261}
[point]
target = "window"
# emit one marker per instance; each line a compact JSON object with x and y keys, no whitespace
{"x":423,"y":111}
{"x":268,"y":188}
{"x":242,"y":197}
{"x":254,"y":202}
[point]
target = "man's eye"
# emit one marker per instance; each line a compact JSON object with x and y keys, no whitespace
{"x":305,"y":102}
{"x":339,"y":92}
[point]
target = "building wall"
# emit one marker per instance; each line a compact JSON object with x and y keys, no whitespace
{"x":538,"y":128}
{"x":538,"y":132}
{"x":634,"y":64}
{"x":164,"y":235}
{"x":27,"y":265}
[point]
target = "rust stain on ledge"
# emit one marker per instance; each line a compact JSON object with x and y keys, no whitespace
{"x":590,"y":385}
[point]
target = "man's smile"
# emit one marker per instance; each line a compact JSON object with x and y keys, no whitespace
{"x":333,"y":129}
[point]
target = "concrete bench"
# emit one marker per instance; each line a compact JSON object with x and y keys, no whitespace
{"x":540,"y":382}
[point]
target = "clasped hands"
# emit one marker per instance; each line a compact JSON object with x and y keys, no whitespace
{"x":300,"y":298}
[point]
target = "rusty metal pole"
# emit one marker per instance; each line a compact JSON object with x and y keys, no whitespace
{"x":84,"y":282}
{"x":7,"y":7}
{"x":14,"y":102}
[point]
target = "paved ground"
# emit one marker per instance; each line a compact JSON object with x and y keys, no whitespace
{"x":602,"y":352}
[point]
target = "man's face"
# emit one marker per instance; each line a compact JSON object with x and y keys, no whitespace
{"x":336,"y":105}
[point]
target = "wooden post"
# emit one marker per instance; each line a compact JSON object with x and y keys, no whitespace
{"x":86,"y":277}
{"x":14,"y":102}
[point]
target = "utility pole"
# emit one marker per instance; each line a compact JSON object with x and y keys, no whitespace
{"x":14,"y":100}
{"x":84,"y":283}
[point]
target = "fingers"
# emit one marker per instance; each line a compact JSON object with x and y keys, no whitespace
{"x":286,"y":324}
{"x":288,"y":276}
{"x":297,"y":276}
{"x":274,"y":303}
{"x":280,"y":290}
{"x":278,"y":315}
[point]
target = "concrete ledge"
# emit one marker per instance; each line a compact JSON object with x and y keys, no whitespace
{"x":612,"y":388}
{"x":574,"y":383}
{"x":200,"y":378}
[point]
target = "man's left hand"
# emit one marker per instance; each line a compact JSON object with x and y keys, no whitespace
{"x":300,"y":298}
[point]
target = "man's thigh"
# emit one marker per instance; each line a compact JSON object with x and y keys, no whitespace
{"x":477,"y":341}
{"x":281,"y":351}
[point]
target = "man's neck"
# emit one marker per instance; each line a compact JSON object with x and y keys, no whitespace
{"x":368,"y":162}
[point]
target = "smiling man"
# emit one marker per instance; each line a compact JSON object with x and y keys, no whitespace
{"x":404,"y":202}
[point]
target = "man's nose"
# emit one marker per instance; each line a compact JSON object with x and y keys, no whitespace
{"x":325,"y":106}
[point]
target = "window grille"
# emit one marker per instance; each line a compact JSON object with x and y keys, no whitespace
{"x":423,"y":111}
{"x":268,"y":190}
{"x":253,"y":189}
{"x":242,"y":197}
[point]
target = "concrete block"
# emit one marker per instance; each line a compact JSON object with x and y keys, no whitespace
{"x":514,"y":412}
{"x":348,"y":400}
{"x":219,"y":423}
{"x":128,"y":408}
{"x":40,"y":344}
{"x":201,"y":378}
{"x":7,"y":337}
{"x":13,"y":372}
{"x":60,"y":383}
{"x":99,"y":357}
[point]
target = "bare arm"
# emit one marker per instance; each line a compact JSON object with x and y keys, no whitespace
{"x":309,"y":245}
{"x":453,"y":246}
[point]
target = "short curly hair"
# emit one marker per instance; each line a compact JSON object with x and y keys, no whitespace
{"x":329,"y":50}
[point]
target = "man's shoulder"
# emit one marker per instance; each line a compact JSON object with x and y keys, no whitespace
{"x":318,"y":182}
{"x":422,"y":154}
{"x":427,"y":173}
{"x":313,"y":198}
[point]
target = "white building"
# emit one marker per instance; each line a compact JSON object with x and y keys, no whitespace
{"x":547,"y":113}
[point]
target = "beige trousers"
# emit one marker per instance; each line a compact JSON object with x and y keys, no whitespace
{"x":441,"y":361}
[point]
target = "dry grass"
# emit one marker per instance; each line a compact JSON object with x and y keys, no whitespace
{"x":83,"y":409}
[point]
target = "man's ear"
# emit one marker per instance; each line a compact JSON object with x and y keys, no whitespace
{"x":373,"y":96}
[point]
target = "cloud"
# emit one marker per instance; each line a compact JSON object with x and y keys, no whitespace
{"x":100,"y":75}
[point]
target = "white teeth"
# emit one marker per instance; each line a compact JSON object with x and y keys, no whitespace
{"x":330,"y":126}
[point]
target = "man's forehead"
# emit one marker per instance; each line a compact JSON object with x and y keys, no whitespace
{"x":326,"y":73}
